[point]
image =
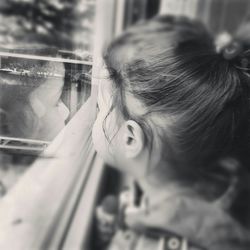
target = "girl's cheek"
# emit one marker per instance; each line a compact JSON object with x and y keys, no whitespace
{"x":101,"y":144}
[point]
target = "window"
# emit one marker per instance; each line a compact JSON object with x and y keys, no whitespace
{"x":46,"y":50}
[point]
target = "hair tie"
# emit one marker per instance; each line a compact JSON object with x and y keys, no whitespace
{"x":232,"y":50}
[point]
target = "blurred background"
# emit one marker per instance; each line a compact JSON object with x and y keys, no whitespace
{"x":219,"y":15}
{"x":64,"y":24}
{"x":68,"y":24}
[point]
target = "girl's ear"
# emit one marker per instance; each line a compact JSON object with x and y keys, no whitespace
{"x":133,"y":139}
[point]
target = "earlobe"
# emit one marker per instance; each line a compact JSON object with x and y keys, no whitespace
{"x":133,"y":139}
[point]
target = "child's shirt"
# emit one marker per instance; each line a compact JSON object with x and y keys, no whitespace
{"x":185,"y":222}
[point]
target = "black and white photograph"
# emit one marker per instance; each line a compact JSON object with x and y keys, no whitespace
{"x":125,"y":125}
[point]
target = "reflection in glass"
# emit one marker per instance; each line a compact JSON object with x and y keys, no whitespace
{"x":37,"y":99}
{"x":45,"y":76}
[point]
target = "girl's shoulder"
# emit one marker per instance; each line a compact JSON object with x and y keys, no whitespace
{"x":152,"y":239}
{"x":185,"y":218}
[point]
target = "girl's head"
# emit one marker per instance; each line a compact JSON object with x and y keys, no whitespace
{"x":173,"y":99}
{"x":31,"y":96}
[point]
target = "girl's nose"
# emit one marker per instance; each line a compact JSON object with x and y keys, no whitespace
{"x":63,"y":110}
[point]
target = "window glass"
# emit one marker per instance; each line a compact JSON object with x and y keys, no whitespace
{"x":45,"y":76}
{"x":64,"y":24}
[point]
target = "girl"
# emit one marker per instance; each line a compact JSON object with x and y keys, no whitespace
{"x":174,"y":114}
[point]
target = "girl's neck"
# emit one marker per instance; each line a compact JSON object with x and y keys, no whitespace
{"x":157,"y":188}
{"x":162,"y":182}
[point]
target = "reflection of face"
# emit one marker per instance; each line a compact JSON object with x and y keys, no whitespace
{"x":42,"y":115}
{"x":46,"y":103}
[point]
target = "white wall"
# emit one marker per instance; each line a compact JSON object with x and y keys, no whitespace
{"x":179,"y":7}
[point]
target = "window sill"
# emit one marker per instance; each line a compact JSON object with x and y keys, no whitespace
{"x":45,"y":196}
